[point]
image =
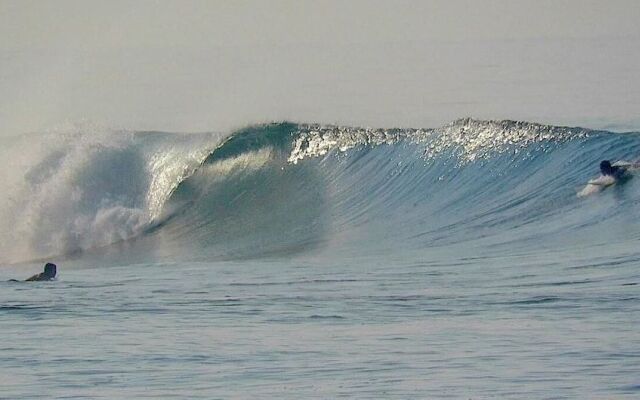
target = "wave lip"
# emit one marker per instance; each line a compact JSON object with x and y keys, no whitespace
{"x":477,"y":139}
{"x":318,"y":140}
{"x":474,"y":139}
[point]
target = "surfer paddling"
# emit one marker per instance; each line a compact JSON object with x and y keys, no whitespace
{"x":610,"y":174}
{"x":48,"y":274}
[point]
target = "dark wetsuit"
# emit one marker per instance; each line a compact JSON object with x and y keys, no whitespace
{"x":619,"y":172}
{"x":609,"y":170}
{"x":48,"y":274}
{"x":40,"y":277}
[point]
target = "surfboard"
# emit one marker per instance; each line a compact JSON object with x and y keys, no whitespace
{"x":596,"y":185}
{"x":602,"y":181}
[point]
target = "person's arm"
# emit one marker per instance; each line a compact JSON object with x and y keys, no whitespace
{"x":620,"y":171}
{"x":36,"y":277}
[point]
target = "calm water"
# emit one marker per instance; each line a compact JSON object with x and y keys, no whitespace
{"x":450,"y":327}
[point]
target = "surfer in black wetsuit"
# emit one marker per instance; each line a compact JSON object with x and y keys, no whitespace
{"x":607,"y":169}
{"x":48,"y":274}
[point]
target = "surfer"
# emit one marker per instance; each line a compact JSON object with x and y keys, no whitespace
{"x":48,"y":274}
{"x":606,"y":169}
{"x":611,"y":174}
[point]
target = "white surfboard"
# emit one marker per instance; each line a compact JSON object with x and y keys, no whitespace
{"x":596,"y":185}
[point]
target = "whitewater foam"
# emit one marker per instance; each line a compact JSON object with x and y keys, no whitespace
{"x":79,"y":190}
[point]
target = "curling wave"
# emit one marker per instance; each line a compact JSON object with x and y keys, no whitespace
{"x":298,"y":188}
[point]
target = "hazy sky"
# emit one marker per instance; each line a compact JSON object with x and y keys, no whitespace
{"x":215,"y":65}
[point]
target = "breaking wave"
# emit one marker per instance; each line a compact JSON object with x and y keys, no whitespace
{"x":288,"y":188}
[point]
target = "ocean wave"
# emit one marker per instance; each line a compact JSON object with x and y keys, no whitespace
{"x":290,"y":188}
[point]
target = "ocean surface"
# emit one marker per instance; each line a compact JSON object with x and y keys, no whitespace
{"x":308,"y":261}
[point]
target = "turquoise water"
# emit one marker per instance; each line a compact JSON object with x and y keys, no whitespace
{"x":296,"y":261}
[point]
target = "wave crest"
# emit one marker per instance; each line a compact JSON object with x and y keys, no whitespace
{"x":472,"y":139}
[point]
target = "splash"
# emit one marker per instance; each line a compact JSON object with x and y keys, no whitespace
{"x":73,"y":191}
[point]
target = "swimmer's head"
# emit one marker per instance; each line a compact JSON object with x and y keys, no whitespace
{"x":605,"y":167}
{"x":50,"y":270}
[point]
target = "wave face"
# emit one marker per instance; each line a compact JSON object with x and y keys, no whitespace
{"x":298,"y":188}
